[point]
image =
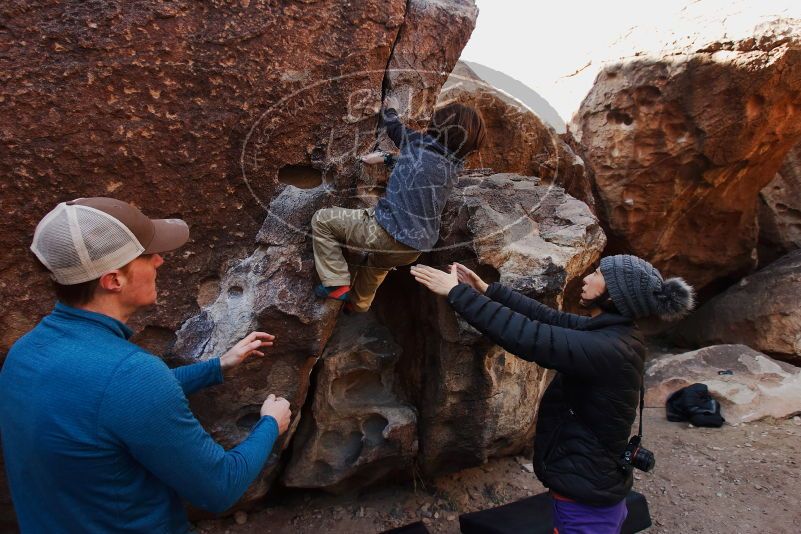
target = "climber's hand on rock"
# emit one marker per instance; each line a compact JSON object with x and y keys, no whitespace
{"x":249,"y":345}
{"x":437,"y":281}
{"x":277,"y":408}
{"x":392,"y":102}
{"x":373,"y":158}
{"x":466,"y":276}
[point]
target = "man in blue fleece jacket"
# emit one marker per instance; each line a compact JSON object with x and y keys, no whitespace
{"x":97,"y":434}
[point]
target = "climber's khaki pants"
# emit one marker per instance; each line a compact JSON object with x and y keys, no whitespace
{"x":338,"y":233}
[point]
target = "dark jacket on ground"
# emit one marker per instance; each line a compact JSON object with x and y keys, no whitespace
{"x":586,"y":414}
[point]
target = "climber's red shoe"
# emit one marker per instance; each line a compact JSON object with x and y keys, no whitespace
{"x":332,"y":292}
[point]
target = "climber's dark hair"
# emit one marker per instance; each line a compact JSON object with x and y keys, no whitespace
{"x":458,"y":128}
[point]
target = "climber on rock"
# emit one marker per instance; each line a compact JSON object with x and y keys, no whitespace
{"x":406,"y":220}
{"x":586,"y":413}
{"x":97,"y":434}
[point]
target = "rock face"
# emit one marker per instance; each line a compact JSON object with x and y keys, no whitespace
{"x":270,"y":290}
{"x":427,"y":389}
{"x":233,"y":117}
{"x":759,"y":386}
{"x":358,"y":431}
{"x":154,"y":104}
{"x":763,"y":311}
{"x":179,"y":109}
{"x":534,"y":234}
{"x":780,"y":211}
{"x":420,"y":65}
{"x":518,"y":141}
{"x":682,"y":145}
{"x":474,"y":400}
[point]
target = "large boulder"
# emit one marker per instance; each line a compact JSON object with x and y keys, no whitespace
{"x":233,"y":117}
{"x":153,"y":103}
{"x":270,"y":290}
{"x":681,"y":146}
{"x":474,"y":400}
{"x":762,"y":311}
{"x":197,"y":111}
{"x":427,"y":379}
{"x":780,"y":210}
{"x":532,"y":233}
{"x":420,"y":65}
{"x":518,"y":141}
{"x":753,"y":386}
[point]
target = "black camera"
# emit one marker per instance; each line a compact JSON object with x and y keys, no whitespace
{"x":638,"y":456}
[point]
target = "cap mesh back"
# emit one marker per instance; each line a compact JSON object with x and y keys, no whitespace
{"x":53,"y":244}
{"x":101,"y":236}
{"x":78,"y":243}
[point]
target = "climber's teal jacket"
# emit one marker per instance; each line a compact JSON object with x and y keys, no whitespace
{"x":97,"y":434}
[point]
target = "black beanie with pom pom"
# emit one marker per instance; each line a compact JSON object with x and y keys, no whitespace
{"x":638,"y":289}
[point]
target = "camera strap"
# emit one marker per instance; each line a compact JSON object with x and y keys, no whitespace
{"x":642,"y":407}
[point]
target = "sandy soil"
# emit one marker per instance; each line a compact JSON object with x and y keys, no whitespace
{"x":729,"y":480}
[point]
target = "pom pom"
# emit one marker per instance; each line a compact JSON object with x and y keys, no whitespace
{"x":675,"y":300}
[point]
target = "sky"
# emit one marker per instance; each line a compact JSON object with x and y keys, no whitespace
{"x":558,"y":47}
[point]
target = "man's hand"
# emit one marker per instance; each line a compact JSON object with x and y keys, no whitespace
{"x":437,"y":281}
{"x":249,"y":345}
{"x":278,"y":409}
{"x":466,"y":276}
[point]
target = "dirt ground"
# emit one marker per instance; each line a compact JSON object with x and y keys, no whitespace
{"x":736,"y":479}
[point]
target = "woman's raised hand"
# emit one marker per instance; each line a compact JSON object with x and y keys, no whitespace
{"x":437,"y":281}
{"x":466,"y":276}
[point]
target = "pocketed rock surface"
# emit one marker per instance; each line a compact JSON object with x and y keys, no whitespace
{"x":682,"y":144}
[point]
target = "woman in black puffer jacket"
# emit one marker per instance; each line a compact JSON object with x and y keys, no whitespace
{"x":587,"y":412}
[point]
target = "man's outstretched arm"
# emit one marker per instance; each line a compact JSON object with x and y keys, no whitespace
{"x":146,"y":412}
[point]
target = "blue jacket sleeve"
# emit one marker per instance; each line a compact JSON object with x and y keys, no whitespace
{"x":573,"y":352}
{"x":199,"y":375}
{"x":145,"y":410}
{"x":533,"y":309}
